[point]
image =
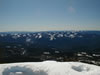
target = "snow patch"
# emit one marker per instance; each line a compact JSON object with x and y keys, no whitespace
{"x":16,"y":70}
{"x":49,"y":68}
{"x":81,"y":68}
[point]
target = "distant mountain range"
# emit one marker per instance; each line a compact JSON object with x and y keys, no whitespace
{"x":37,"y":42}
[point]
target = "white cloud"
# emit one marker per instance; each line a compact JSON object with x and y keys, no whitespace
{"x":71,"y":9}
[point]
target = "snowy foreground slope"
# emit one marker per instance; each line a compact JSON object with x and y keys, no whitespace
{"x":49,"y":68}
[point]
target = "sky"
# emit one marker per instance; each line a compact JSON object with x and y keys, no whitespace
{"x":47,"y":15}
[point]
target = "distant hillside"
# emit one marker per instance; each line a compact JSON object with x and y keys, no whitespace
{"x":35,"y":43}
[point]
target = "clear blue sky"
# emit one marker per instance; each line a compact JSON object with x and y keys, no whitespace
{"x":45,"y":15}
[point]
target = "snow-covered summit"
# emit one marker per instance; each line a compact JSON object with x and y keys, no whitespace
{"x":51,"y":35}
{"x":49,"y":68}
